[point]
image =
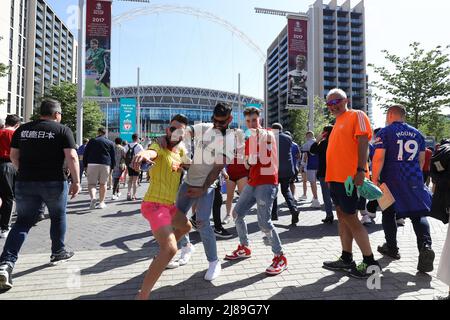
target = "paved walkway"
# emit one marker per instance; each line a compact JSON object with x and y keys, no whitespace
{"x":113,"y":247}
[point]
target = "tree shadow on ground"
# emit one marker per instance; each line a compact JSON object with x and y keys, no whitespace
{"x":121,"y":214}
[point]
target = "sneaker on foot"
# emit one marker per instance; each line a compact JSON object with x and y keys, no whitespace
{"x":363,"y":270}
{"x":242,"y":252}
{"x":129,"y":197}
{"x":339,"y":265}
{"x":365,"y":220}
{"x":426,"y":259}
{"x":442,"y":297}
{"x":372,"y":215}
{"x":401,"y":222}
{"x":5,"y":276}
{"x":213,"y":271}
{"x":114,"y":197}
{"x":315,"y":203}
{"x":328,"y":220}
{"x":227,"y":219}
{"x":279,"y":264}
{"x":390,"y":252}
{"x":101,"y":205}
{"x":93,"y":203}
{"x":295,"y":219}
{"x":119,"y":195}
{"x":194,"y":223}
{"x":4,"y":233}
{"x":173,"y":264}
{"x":186,"y":254}
{"x":222,"y":233}
{"x":60,"y":256}
{"x":304,"y":197}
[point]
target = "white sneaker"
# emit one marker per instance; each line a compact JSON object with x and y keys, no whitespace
{"x":227,"y":219}
{"x":186,"y":253}
{"x":315,"y":203}
{"x":401,"y":222}
{"x":365,"y":220}
{"x":101,"y":205}
{"x":4,"y":234}
{"x":304,"y":197}
{"x":173,"y":264}
{"x":213,"y":271}
{"x":93,"y":203}
{"x":115,"y":197}
{"x":119,"y":195}
{"x":372,"y":215}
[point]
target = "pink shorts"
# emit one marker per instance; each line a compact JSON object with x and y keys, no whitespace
{"x":158,"y":215}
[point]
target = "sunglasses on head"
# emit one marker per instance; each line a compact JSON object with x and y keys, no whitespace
{"x":222,"y":123}
{"x":334,"y":102}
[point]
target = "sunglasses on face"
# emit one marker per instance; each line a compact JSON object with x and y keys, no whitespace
{"x":222,"y":123}
{"x":334,"y":102}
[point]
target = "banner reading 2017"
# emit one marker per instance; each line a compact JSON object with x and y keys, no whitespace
{"x":98,"y":49}
{"x":297,"y":95}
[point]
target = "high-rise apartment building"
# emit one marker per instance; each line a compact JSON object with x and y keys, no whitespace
{"x":40,"y":51}
{"x":339,"y":58}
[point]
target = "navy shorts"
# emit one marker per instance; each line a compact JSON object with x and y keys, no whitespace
{"x":348,"y":205}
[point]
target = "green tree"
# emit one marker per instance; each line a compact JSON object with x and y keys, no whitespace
{"x":4,"y":70}
{"x":66,"y":94}
{"x":419,"y":81}
{"x":438,"y":127}
{"x":299,"y":120}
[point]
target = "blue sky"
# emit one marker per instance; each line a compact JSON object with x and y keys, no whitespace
{"x":178,"y":49}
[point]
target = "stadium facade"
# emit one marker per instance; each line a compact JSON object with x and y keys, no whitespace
{"x":160,"y":103}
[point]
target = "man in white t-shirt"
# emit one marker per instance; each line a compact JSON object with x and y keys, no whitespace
{"x":131,"y":150}
{"x":213,"y":149}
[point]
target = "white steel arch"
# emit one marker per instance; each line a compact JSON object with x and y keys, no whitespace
{"x":154,"y":9}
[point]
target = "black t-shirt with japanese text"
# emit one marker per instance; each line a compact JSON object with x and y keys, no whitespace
{"x":41,"y":144}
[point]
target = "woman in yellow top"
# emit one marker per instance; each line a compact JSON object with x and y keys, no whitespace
{"x":158,"y":206}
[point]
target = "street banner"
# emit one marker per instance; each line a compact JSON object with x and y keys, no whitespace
{"x":297,"y":95}
{"x":127,"y":118}
{"x":98,"y":49}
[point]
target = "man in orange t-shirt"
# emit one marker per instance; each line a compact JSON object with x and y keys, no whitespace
{"x":347,"y":153}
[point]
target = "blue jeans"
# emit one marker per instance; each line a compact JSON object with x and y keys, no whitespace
{"x":263,"y":197}
{"x":29,"y":199}
{"x":204,"y":207}
{"x":326,"y":197}
{"x":420,"y":225}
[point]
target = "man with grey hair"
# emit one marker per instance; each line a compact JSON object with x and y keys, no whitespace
{"x":38,"y":151}
{"x":347,"y":153}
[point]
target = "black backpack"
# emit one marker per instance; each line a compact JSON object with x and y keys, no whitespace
{"x":440,"y":172}
{"x":129,"y":155}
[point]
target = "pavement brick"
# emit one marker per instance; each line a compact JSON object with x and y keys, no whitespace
{"x":114,"y":247}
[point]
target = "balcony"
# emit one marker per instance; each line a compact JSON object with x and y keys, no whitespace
{"x":344,"y":75}
{"x":357,"y":39}
{"x":357,"y":85}
{"x":343,"y":66}
{"x":356,"y":22}
{"x":329,"y":65}
{"x":329,"y":55}
{"x":358,"y":76}
{"x":329,"y":84}
{"x":357,"y":49}
{"x":357,"y":30}
{"x":329,"y":74}
{"x":329,"y":37}
{"x":343,"y":85}
{"x":356,"y":58}
{"x":342,"y":47}
{"x":342,"y":29}
{"x":328,"y":27}
{"x":329,"y":46}
{"x":342,"y":20}
{"x":343,"y":38}
{"x":357,"y":67}
{"x":344,"y":56}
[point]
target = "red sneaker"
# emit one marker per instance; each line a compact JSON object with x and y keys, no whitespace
{"x":241,"y":252}
{"x":279,"y":264}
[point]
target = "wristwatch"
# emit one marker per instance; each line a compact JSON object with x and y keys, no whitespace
{"x":361,"y":170}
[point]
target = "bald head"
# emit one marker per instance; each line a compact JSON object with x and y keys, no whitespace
{"x":396,"y":113}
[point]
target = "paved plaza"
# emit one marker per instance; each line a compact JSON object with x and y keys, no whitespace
{"x":114,"y":246}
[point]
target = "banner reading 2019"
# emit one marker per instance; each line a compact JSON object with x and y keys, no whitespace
{"x":98,"y":49}
{"x":297,"y":95}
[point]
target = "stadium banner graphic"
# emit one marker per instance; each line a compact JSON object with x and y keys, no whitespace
{"x":127,"y":118}
{"x":297,"y":95}
{"x":98,"y":49}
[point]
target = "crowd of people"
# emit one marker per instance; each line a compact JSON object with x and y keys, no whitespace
{"x":190,"y":166}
